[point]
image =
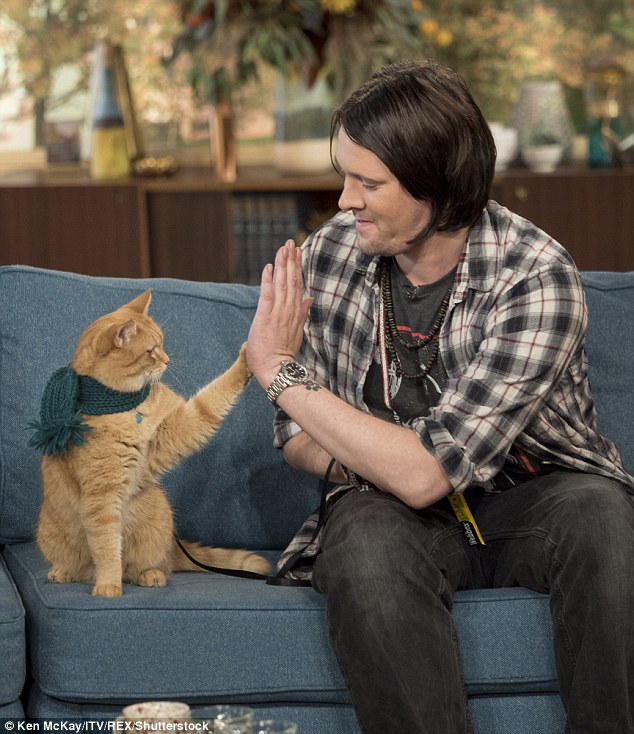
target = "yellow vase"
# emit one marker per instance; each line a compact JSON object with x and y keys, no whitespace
{"x":109,"y":154}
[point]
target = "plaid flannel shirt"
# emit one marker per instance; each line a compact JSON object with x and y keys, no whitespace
{"x":512,"y":344}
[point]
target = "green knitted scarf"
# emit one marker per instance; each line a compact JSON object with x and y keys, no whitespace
{"x":67,"y":397}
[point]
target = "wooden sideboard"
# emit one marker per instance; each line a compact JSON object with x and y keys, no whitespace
{"x":193,"y":226}
{"x":589,"y":211}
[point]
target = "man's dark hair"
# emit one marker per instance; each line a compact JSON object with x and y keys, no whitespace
{"x":421,"y":121}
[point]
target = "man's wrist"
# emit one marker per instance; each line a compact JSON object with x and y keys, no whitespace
{"x":290,"y":374}
{"x":266,"y":377}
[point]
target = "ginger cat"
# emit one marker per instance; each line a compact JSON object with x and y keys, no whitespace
{"x":104,"y":516}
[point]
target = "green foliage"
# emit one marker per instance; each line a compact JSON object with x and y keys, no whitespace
{"x":227,"y":42}
{"x":222,"y":47}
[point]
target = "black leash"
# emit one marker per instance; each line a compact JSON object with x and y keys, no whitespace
{"x":279,"y":579}
{"x":239,"y":573}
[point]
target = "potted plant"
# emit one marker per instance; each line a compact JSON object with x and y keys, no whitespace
{"x":334,"y":43}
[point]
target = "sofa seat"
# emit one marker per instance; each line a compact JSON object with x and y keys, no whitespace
{"x":12,"y":647}
{"x":210,"y":638}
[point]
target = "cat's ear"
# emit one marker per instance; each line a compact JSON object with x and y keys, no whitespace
{"x":124,"y":333}
{"x":141,"y":303}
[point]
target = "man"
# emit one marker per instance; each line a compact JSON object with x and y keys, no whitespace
{"x":439,"y":361}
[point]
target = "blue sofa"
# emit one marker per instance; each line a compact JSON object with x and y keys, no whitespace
{"x":208,"y":638}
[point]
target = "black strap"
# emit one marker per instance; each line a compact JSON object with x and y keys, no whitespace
{"x":279,"y":579}
{"x":239,"y":573}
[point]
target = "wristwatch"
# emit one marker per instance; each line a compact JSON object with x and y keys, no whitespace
{"x":291,"y":373}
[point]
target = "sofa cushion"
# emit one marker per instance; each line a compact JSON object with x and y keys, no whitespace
{"x":12,"y":644}
{"x":531,"y":713}
{"x":527,"y":714}
{"x":13,"y":710}
{"x":206,"y":637}
{"x":311,"y":718}
{"x":610,"y":347}
{"x":237,"y":491}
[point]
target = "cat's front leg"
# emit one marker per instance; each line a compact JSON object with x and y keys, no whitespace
{"x":232,"y":381}
{"x":105,"y":585}
{"x":192,"y":423}
{"x":103,"y":532}
{"x":107,"y":590}
{"x":108,"y":579}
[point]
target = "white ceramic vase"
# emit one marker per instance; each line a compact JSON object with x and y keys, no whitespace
{"x":541,"y":116}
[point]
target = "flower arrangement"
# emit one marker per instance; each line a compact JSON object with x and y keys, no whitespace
{"x":226,"y":41}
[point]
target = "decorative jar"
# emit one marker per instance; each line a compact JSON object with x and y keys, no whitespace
{"x":541,"y":116}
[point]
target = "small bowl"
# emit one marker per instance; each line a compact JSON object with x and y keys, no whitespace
{"x":543,"y":158}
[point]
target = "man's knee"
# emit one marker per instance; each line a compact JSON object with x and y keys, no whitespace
{"x":596,"y":505}
{"x":594,"y":526}
{"x":374,"y":545}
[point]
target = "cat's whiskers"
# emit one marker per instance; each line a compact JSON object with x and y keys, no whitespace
{"x":177,"y":378}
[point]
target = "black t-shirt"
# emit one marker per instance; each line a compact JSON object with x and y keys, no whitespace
{"x":415,"y":310}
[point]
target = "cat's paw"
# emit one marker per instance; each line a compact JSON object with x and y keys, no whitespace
{"x":242,"y":362}
{"x":107,"y":590}
{"x":57,"y":576}
{"x":152,"y":577}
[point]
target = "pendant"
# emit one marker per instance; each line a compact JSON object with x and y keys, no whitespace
{"x":139,"y":416}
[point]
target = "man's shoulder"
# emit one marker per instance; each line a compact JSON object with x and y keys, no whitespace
{"x":518,"y":237}
{"x":504,"y":242}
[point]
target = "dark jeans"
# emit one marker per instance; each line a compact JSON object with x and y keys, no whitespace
{"x":389,"y":574}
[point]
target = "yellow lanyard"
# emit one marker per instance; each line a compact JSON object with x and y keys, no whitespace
{"x":463,"y":513}
{"x":457,"y":501}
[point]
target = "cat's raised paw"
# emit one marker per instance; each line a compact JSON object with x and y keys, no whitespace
{"x":242,"y":360}
{"x":107,"y":590}
{"x":152,"y":577}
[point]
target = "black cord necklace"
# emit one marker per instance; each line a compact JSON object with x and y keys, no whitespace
{"x":392,"y":335}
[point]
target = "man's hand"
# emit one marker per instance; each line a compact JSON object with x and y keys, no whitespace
{"x":277,"y":329}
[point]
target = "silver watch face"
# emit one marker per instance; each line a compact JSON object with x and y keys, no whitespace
{"x":295,"y":372}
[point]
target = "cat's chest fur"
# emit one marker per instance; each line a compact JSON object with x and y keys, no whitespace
{"x":120,"y":443}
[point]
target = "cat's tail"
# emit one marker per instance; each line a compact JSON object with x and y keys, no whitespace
{"x":240,"y":560}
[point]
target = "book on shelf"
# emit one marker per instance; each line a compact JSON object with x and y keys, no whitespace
{"x":262,"y":222}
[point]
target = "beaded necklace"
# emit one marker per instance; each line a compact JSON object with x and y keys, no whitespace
{"x":392,"y":335}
